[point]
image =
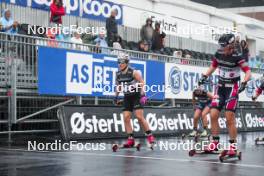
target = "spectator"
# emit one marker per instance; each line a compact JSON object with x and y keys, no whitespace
{"x":63,"y":39}
{"x":51,"y":36}
{"x":76,"y":39}
{"x":57,"y":11}
{"x":146,"y":32}
{"x":245,"y":50}
{"x":117,"y":49}
{"x":188,"y":56}
{"x":118,"y":39}
{"x":7,"y":24}
{"x":177,"y":54}
{"x":143,"y":46}
{"x":111,"y":27}
{"x":101,"y":42}
{"x":158,"y":39}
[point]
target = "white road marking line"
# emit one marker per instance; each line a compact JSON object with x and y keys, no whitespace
{"x":142,"y":157}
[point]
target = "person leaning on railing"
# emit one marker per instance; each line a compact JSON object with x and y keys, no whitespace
{"x":7,"y":24}
{"x":77,"y":41}
{"x":101,"y":42}
{"x":143,"y":46}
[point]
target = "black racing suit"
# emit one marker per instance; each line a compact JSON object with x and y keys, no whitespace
{"x":131,"y":90}
{"x":202,"y":99}
{"x":229,"y":76}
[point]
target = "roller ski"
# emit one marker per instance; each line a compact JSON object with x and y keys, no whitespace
{"x":228,"y":154}
{"x":211,"y":148}
{"x":130,"y":144}
{"x":151,"y":141}
{"x":259,"y":140}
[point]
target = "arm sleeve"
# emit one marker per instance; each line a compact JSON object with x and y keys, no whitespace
{"x":117,"y":80}
{"x":243,"y":65}
{"x":214,"y":62}
{"x":259,"y":90}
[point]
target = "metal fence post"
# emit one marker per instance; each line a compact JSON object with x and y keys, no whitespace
{"x":13,"y":91}
{"x":173,"y":102}
{"x":79,"y":100}
{"x":9,"y":118}
{"x":96,"y":101}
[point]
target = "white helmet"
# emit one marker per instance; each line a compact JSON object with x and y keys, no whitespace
{"x":123,"y":58}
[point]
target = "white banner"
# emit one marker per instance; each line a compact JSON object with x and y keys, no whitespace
{"x":181,"y":80}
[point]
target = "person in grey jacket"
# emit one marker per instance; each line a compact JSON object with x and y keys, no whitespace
{"x":111,"y":27}
{"x":146,"y":32}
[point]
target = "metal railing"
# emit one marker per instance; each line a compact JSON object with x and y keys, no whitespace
{"x":41,"y":18}
{"x":21,"y":52}
{"x":19,"y":78}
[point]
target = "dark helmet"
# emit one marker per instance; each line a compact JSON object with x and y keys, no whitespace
{"x":198,"y":91}
{"x":226,"y":39}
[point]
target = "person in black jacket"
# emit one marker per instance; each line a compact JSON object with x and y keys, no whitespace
{"x":111,"y":28}
{"x":158,"y":39}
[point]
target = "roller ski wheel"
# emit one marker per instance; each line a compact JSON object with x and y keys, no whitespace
{"x":183,"y":136}
{"x":151,"y":145}
{"x":239,"y":156}
{"x":116,"y":147}
{"x":151,"y":141}
{"x":208,"y":149}
{"x":192,"y":152}
{"x":225,"y":156}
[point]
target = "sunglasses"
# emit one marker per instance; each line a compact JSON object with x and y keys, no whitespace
{"x":121,"y":62}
